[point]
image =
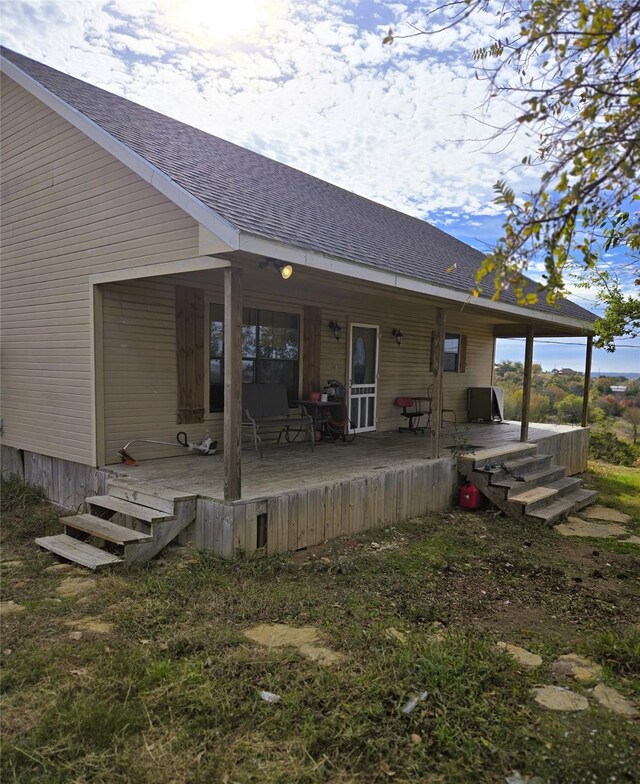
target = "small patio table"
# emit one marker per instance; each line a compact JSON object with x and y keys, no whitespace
{"x":319,"y":411}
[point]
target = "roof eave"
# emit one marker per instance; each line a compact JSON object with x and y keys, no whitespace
{"x":252,"y":243}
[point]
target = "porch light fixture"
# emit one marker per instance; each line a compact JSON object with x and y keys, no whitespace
{"x":336,"y":329}
{"x":398,"y":335}
{"x":285,"y":270}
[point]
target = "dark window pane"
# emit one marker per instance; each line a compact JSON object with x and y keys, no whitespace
{"x":216,"y":317}
{"x":279,"y":372}
{"x":278,"y":335}
{"x":248,"y":371}
{"x":450,"y":363}
{"x":249,"y":329}
{"x":451,"y":353}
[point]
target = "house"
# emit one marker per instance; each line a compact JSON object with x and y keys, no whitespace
{"x":129,"y":241}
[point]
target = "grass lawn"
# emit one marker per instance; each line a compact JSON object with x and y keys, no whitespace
{"x":166,"y":688}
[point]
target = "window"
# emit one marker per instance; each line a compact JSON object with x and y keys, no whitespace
{"x":451,"y":353}
{"x":270,"y":351}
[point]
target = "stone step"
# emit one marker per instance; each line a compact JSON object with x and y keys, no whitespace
{"x":78,"y":552}
{"x":564,"y":506}
{"x":104,"y":529}
{"x":129,"y":509}
{"x":502,"y":453}
{"x":161,"y":498}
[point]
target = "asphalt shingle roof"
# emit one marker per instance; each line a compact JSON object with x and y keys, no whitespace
{"x":263,"y":197}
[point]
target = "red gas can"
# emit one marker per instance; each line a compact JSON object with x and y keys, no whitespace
{"x":470,"y":497}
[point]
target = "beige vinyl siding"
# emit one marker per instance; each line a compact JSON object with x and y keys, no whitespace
{"x":140,"y":361}
{"x":69,"y":210}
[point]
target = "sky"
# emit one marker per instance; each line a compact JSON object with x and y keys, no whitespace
{"x":310,"y":84}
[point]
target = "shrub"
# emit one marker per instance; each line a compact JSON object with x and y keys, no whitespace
{"x":611,"y":449}
{"x":25,"y":511}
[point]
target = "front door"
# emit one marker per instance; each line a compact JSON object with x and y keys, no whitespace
{"x":363,"y":376}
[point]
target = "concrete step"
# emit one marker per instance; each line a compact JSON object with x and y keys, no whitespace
{"x":129,"y":509}
{"x":161,"y":498}
{"x":103,"y":529}
{"x":565,"y":505}
{"x":78,"y":552}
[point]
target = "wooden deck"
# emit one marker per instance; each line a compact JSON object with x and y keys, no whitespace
{"x":286,"y":468}
{"x":295,"y":498}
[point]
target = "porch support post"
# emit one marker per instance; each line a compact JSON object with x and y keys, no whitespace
{"x":232,"y":382}
{"x":436,"y":402}
{"x":587,"y":381}
{"x":526,"y":387}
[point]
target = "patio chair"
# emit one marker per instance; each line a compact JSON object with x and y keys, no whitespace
{"x":265,"y":409}
{"x":411,"y":411}
{"x":449,"y":411}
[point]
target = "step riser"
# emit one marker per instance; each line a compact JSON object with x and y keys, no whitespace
{"x":538,"y":516}
{"x":136,"y":497}
{"x":505,"y":456}
{"x":561,"y":491}
{"x":521,"y":487}
{"x":535,"y":466}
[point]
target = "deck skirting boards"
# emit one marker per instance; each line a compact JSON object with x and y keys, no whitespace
{"x":64,"y":482}
{"x":312,"y":515}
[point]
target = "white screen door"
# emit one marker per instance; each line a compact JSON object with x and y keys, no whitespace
{"x":363,"y":376}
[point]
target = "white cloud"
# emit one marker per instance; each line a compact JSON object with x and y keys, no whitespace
{"x":309,"y":84}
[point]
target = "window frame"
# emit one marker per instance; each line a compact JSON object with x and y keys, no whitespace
{"x":452,"y":336}
{"x":292,"y":310}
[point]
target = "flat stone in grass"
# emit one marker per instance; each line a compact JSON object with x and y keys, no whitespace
{"x":304,"y":638}
{"x":559,"y":699}
{"x":10,"y":607}
{"x":614,"y":701}
{"x":58,"y":567}
{"x":577,"y":527}
{"x":632,"y":540}
{"x":576,"y":667}
{"x":524,"y":657}
{"x":598,"y":512}
{"x":75,"y":586}
{"x":90,"y":624}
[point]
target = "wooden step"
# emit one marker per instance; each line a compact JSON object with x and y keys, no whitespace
{"x":129,"y":509}
{"x":531,"y":480}
{"x":521,"y":466}
{"x":160,"y":498}
{"x":78,"y":552}
{"x":564,"y":506}
{"x":502,"y":453}
{"x":104,"y":529}
{"x":532,"y":496}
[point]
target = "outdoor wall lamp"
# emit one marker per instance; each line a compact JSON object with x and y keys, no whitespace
{"x":398,"y":335}
{"x":285,"y":270}
{"x":336,"y":329}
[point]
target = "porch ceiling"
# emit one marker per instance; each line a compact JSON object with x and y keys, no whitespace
{"x":286,"y":468}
